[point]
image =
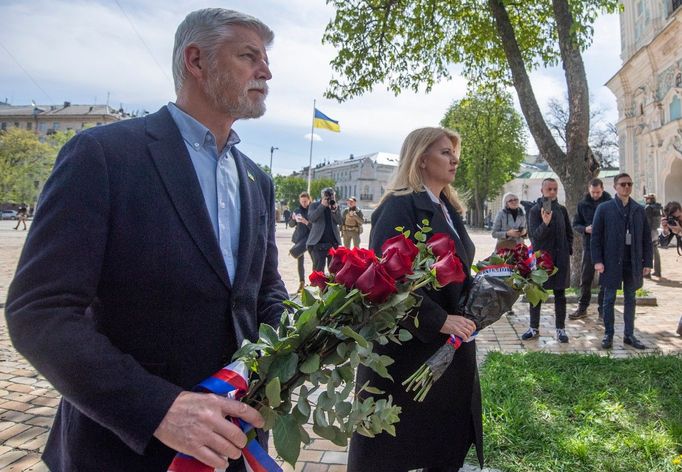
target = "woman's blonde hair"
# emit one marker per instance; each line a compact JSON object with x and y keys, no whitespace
{"x":408,"y":177}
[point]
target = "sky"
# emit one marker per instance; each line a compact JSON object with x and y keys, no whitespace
{"x":91,"y":51}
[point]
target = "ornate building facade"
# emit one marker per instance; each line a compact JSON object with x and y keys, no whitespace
{"x":648,"y":88}
{"x":364,"y":177}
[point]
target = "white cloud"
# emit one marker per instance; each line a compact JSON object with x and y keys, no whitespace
{"x":316,"y":137}
{"x":78,"y":50}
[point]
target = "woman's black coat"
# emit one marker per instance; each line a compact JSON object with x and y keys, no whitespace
{"x":439,"y":431}
{"x":555,"y":238}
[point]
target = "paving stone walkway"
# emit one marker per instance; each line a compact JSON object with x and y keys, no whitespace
{"x":28,"y":402}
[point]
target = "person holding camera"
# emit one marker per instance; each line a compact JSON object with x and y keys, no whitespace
{"x":653,"y":212}
{"x":582,"y":223}
{"x":621,"y":252}
{"x":671,"y":224}
{"x":353,"y":220}
{"x":550,"y":230}
{"x":299,"y":220}
{"x":324,"y":233}
{"x":509,"y":227}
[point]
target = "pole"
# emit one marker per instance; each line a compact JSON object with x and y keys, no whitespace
{"x":272,"y":151}
{"x":310,"y":161}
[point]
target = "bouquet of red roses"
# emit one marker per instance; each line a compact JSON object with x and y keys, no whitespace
{"x":500,"y":279}
{"x":322,"y":339}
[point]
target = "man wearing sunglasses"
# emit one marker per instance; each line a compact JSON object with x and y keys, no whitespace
{"x":622,"y":253}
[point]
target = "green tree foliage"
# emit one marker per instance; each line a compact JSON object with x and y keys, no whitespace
{"x":493,"y":146}
{"x":25,"y":163}
{"x":413,"y":43}
{"x":288,"y":188}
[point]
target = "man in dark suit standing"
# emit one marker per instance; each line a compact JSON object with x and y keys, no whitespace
{"x":622,"y":254}
{"x":324,"y":233}
{"x":124,"y":306}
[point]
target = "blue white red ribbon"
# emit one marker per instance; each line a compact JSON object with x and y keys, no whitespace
{"x":232,"y":381}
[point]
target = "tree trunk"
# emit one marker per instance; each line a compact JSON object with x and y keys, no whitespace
{"x":577,"y":165}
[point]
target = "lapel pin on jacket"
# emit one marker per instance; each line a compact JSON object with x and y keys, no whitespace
{"x":253,"y":179}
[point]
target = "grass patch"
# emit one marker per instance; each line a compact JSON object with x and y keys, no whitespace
{"x":640,"y":292}
{"x":582,"y":413}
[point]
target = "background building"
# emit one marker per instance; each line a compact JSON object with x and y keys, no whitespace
{"x":364,"y":177}
{"x":648,"y":89}
{"x":48,"y":119}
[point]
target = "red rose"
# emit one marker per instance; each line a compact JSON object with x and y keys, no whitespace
{"x":338,"y":257}
{"x":365,"y":254}
{"x":318,"y":279}
{"x":402,"y":244}
{"x":545,"y":262}
{"x":505,"y":253}
{"x":353,"y":268}
{"x":521,"y":252}
{"x":441,"y":244}
{"x":449,"y":269}
{"x":396,"y":264}
{"x":375,"y":283}
{"x":523,"y":268}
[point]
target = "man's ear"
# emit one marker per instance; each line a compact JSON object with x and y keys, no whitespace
{"x":195,"y":61}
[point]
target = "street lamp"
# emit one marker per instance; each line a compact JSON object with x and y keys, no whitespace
{"x":272,"y":151}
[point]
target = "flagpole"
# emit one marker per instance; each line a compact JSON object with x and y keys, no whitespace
{"x":310,"y":161}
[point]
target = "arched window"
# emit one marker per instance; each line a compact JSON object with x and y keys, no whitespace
{"x":675,"y":108}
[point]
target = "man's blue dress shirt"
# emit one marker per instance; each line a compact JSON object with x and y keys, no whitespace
{"x":219,"y":180}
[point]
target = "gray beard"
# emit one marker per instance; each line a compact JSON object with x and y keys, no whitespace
{"x":239,"y":108}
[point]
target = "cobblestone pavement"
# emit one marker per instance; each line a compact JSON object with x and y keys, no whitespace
{"x":28,"y":402}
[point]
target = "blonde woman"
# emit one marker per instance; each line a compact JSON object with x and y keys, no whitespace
{"x":436,"y":434}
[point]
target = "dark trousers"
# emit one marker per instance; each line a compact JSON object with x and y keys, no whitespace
{"x":301,"y":269}
{"x":586,"y":278}
{"x":320,"y":255}
{"x":559,"y":311}
{"x":630,"y":302}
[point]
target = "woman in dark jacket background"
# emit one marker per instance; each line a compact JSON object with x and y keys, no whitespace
{"x":435,"y":434}
{"x":551,"y":231}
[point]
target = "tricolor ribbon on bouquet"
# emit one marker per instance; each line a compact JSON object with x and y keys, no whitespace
{"x":231,"y":382}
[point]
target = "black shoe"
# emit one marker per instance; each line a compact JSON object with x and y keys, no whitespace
{"x":531,"y":333}
{"x":607,"y":342}
{"x":578,"y":314}
{"x":634,"y":342}
{"x":561,"y":335}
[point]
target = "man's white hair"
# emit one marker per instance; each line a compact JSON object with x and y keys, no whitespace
{"x":208,"y":29}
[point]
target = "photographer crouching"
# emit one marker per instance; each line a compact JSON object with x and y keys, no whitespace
{"x":324,"y":234}
{"x":671,"y":223}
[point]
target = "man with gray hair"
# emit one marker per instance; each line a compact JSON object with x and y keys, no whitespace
{"x":125,"y":306}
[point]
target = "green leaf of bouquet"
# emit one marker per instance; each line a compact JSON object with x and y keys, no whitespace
{"x":340,"y":438}
{"x":373,"y":390}
{"x":269,"y":416}
{"x":247,"y":349}
{"x":533,"y":294}
{"x":539,"y":276}
{"x":325,"y":432}
{"x":287,"y":439}
{"x":404,"y":335}
{"x":268,"y":334}
{"x":320,"y":420}
{"x":348,"y":331}
{"x":426,"y":229}
{"x":364,"y":431}
{"x":425,"y":222}
{"x":303,"y":406}
{"x":419,"y":236}
{"x":284,"y":366}
{"x":399,"y":229}
{"x":309,"y":296}
{"x":324,"y":402}
{"x":311,"y":364}
{"x":407,"y":233}
{"x":272,"y":392}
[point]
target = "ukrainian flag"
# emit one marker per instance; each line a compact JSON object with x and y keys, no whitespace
{"x":320,"y":120}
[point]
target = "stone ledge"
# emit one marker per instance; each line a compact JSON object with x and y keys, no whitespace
{"x":641,"y":301}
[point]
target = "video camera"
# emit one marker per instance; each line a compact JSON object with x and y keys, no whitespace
{"x":672,"y":221}
{"x":329,"y":195}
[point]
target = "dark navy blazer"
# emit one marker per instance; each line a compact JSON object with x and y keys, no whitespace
{"x":121,"y":298}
